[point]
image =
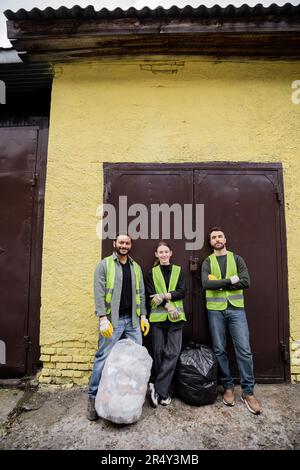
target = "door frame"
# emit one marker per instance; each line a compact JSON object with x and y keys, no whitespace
{"x":276,"y":170}
{"x":39,"y":182}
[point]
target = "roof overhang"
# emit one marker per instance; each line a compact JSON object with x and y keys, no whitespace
{"x":84,"y":34}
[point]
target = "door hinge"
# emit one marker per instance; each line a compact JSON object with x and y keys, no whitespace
{"x":284,"y":352}
{"x":107,"y":191}
{"x":27,"y":342}
{"x":279,"y":196}
{"x":34,"y":179}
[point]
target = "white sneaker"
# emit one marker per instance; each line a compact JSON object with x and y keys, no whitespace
{"x":165,"y":401}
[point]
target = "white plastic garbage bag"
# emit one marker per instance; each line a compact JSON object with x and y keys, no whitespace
{"x":123,"y":385}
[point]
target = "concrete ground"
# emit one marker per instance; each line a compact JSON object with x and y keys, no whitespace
{"x":45,"y":419}
{"x":8,"y":402}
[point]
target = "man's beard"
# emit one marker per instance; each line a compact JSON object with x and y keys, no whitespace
{"x":120,"y":253}
{"x":220,"y":247}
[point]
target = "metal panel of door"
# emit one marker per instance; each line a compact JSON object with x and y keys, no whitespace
{"x":247,"y":201}
{"x":18,"y":148}
{"x":152,"y":186}
{"x":247,"y":204}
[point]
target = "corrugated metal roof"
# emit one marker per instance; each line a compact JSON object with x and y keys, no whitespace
{"x":89,"y":12}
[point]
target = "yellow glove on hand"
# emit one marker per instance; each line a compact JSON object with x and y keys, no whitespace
{"x":106,"y":328}
{"x":211,"y":277}
{"x":145,"y":327}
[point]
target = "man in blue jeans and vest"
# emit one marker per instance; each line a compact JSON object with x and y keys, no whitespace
{"x":224,"y":277}
{"x":120,"y":305}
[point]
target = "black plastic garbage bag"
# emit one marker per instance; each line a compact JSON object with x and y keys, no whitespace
{"x":196,"y":375}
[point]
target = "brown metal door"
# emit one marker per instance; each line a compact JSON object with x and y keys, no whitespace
{"x":18,"y":150}
{"x":247,"y":203}
{"x":152,"y":186}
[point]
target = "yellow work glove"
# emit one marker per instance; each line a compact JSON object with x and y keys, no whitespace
{"x":145,"y":327}
{"x":106,"y":328}
{"x":211,"y":277}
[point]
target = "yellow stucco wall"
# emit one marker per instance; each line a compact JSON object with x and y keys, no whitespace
{"x":123,"y":112}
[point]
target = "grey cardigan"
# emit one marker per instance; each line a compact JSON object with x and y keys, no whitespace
{"x":100,"y":286}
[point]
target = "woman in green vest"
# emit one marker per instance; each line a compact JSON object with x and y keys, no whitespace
{"x":166,"y":289}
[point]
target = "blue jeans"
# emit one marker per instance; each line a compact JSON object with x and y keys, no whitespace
{"x":105,"y":345}
{"x":235,"y":320}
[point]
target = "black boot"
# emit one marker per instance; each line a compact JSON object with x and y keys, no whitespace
{"x":92,"y":414}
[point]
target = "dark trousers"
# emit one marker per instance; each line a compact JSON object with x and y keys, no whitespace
{"x":166,"y":343}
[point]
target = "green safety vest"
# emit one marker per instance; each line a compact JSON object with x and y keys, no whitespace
{"x":110,"y":283}
{"x":159,"y":313}
{"x":218,"y":299}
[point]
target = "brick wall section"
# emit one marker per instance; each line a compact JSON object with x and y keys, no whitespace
{"x":67,"y":362}
{"x":295,"y":361}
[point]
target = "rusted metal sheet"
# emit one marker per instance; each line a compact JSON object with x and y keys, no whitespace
{"x":17,"y":149}
{"x":17,"y":167}
{"x":20,"y":242}
{"x":246,"y":205}
{"x":247,"y":200}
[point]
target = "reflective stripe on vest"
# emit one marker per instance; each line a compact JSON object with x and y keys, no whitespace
{"x":159,"y":313}
{"x":110,"y":284}
{"x":218,"y":299}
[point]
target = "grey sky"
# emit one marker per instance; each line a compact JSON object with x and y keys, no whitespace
{"x":111,"y":4}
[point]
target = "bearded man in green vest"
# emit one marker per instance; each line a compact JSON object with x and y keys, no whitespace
{"x":120,"y":305}
{"x":224,"y":277}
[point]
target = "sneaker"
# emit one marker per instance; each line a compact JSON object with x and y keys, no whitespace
{"x":154,"y":397}
{"x":92,"y":414}
{"x":252,"y":403}
{"x":165,"y":401}
{"x":228,"y":397}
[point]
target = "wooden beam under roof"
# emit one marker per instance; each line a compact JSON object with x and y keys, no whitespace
{"x":53,"y":36}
